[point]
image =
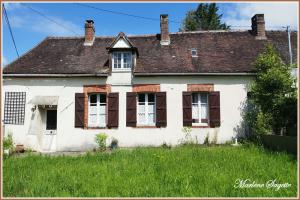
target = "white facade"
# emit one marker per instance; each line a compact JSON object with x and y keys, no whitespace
{"x":233,"y":93}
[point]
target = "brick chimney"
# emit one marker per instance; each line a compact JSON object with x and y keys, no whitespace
{"x":89,"y":32}
{"x":164,"y":30}
{"x":258,"y":26}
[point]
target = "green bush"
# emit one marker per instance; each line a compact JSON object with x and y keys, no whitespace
{"x":273,"y":100}
{"x":101,"y":140}
{"x":8,"y":142}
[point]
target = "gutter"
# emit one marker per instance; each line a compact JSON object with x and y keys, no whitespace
{"x":54,"y":75}
{"x":136,"y":74}
{"x":196,"y":74}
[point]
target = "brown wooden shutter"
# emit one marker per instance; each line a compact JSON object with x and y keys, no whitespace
{"x":113,"y":110}
{"x":187,"y":108}
{"x":214,"y":109}
{"x":131,"y":109}
{"x":79,"y":110}
{"x":161,"y":109}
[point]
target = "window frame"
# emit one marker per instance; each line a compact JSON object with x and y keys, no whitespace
{"x":146,"y":110}
{"x":122,"y":68}
{"x":199,"y":104}
{"x":98,"y":105}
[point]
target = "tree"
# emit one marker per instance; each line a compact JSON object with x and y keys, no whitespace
{"x":273,"y":95}
{"x":205,"y":17}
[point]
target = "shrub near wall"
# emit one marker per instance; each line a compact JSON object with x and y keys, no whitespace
{"x":273,"y":97}
{"x":280,"y":143}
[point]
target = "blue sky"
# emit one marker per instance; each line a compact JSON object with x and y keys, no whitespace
{"x":30,"y":28}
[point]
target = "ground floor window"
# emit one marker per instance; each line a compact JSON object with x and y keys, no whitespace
{"x":146,"y":109}
{"x":200,"y":108}
{"x":97,"y":110}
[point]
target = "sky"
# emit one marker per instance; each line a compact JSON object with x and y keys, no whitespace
{"x":67,"y":19}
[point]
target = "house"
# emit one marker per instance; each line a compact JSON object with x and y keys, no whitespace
{"x":139,"y":89}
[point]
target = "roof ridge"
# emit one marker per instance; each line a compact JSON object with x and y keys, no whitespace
{"x":223,"y":31}
{"x":145,"y":35}
{"x":65,"y":37}
{"x":172,"y":33}
{"x":188,"y":32}
{"x":212,"y":31}
{"x":142,"y":35}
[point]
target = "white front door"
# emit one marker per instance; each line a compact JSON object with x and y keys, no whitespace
{"x":49,"y":137}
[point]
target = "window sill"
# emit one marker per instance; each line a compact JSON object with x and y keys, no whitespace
{"x":121,"y":70}
{"x":200,"y":126}
{"x":95,"y":127}
{"x":146,"y":126}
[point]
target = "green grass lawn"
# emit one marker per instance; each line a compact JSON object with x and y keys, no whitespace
{"x":190,"y":171}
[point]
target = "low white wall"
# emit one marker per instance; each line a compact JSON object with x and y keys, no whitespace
{"x":232,"y":93}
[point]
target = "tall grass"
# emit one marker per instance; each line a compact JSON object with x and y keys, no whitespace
{"x":190,"y":171}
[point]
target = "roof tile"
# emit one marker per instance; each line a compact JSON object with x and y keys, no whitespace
{"x":218,"y":51}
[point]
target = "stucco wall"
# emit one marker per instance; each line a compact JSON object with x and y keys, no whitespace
{"x":232,"y":95}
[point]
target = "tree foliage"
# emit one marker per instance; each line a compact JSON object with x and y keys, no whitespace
{"x":273,"y":95}
{"x":205,"y":17}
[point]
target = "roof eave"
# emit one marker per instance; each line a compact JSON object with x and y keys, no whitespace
{"x":197,"y":74}
{"x":54,"y":75}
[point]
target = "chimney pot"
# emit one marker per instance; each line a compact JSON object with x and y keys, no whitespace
{"x":164,"y":30}
{"x":89,"y":21}
{"x":258,"y":26}
{"x":89,"y":32}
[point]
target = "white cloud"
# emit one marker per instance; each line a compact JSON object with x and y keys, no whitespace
{"x":16,"y":21}
{"x":4,"y":61}
{"x":277,"y":14}
{"x":56,"y":26}
{"x":60,"y":28}
{"x":12,"y":5}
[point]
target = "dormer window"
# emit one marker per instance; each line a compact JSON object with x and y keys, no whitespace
{"x":123,"y":54}
{"x":194,"y":52}
{"x":121,"y":60}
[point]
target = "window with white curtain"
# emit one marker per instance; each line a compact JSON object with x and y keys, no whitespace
{"x":200,"y":108}
{"x":122,"y":60}
{"x":146,"y":109}
{"x":97,"y":110}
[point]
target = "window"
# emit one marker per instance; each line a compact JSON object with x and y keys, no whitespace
{"x":122,"y":60}
{"x":14,"y":107}
{"x":200,"y":108}
{"x":194,"y":52}
{"x":146,"y":109}
{"x":97,"y":110}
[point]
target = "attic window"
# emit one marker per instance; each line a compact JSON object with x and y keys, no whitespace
{"x":122,"y":60}
{"x":194,"y":52}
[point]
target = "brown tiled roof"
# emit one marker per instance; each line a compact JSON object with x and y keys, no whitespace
{"x":218,"y":52}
